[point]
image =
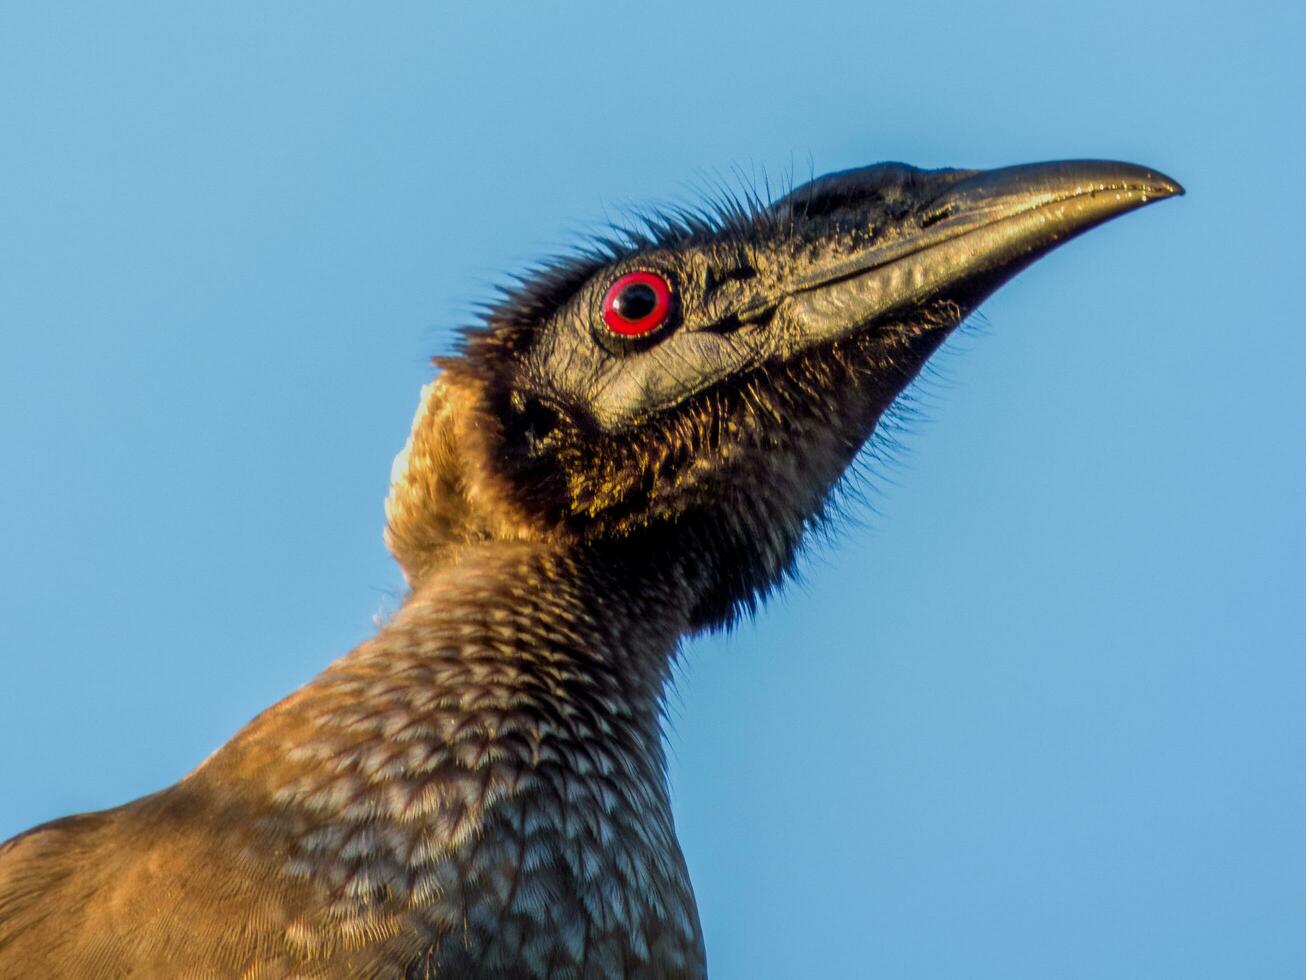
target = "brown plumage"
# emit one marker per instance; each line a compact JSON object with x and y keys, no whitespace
{"x":480,"y":790}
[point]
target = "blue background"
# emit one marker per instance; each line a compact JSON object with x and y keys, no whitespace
{"x":1040,"y":711}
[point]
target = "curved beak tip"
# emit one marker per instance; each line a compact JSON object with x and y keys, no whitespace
{"x":1165,"y":186}
{"x":988,"y":225}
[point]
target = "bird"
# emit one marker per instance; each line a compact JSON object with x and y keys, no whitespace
{"x":628,"y":449}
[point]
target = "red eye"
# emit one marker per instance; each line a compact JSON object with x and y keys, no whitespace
{"x":637,"y":303}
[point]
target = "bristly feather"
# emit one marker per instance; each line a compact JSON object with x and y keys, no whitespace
{"x":718,"y":212}
{"x":602,"y":484}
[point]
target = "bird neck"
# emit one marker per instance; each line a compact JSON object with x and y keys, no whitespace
{"x":499,"y":739}
{"x":594,"y":614}
{"x":507,"y":650}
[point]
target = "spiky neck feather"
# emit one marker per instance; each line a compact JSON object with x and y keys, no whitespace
{"x":717,"y":495}
{"x":460,"y":484}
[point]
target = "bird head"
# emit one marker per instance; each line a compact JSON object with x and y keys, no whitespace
{"x":692,"y":392}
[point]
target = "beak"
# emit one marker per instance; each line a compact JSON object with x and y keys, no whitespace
{"x":978,"y":231}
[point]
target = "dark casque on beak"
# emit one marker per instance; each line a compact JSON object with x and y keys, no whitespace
{"x":980,"y":229}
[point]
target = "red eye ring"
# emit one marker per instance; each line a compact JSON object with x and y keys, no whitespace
{"x":637,"y":304}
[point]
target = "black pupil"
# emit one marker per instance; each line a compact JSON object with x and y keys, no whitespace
{"x":636,"y":301}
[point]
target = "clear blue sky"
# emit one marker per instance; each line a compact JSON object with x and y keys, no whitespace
{"x":1041,"y":712}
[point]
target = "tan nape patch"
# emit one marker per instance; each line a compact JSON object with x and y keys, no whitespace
{"x":439,"y":499}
